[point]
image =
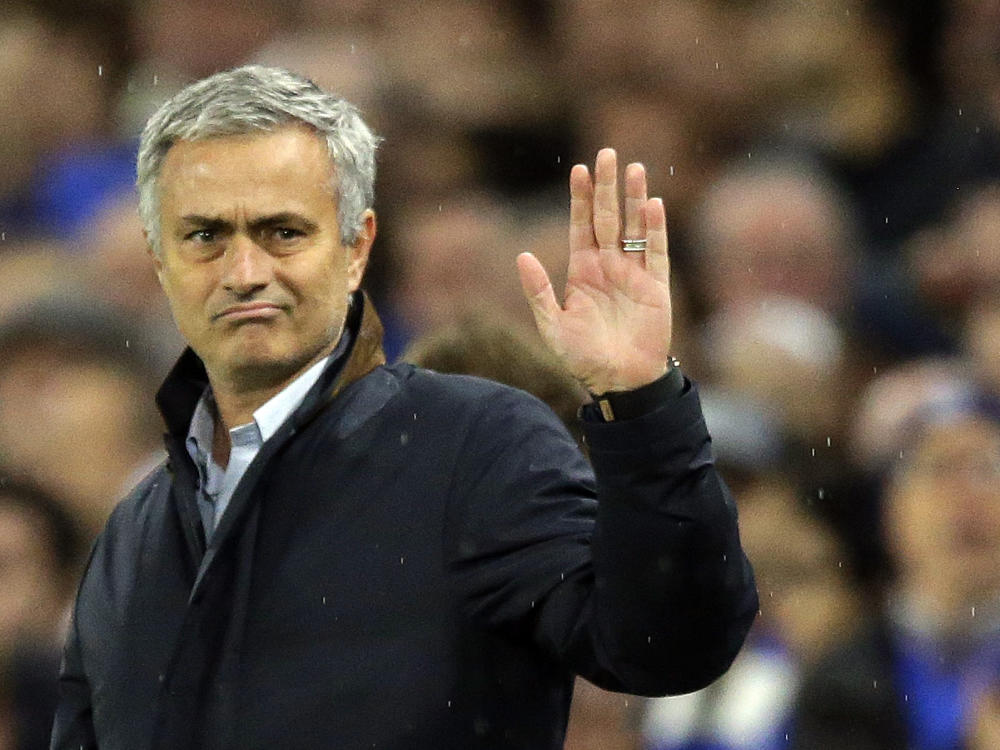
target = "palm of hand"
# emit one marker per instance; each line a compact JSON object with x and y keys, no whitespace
{"x":614,"y":330}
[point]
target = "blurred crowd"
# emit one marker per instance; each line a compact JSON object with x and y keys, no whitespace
{"x":831,"y":171}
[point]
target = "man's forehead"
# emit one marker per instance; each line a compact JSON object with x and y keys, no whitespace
{"x":290,"y":145}
{"x":282,"y":168}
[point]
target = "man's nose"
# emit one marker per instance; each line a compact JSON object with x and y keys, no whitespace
{"x":247,"y":265}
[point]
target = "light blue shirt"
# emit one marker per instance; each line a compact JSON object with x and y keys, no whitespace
{"x":217,"y":484}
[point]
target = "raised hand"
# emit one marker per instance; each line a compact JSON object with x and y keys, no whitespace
{"x":613,"y":329}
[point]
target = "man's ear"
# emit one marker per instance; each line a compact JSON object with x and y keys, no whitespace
{"x":157,"y":263}
{"x":358,"y":253}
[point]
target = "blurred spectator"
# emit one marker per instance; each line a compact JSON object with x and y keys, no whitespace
{"x":662,"y":85}
{"x":833,"y":77}
{"x":981,"y":337}
{"x":958,"y":262}
{"x":61,"y":69}
{"x":468,"y":61}
{"x":40,"y":555}
{"x":797,"y":365}
{"x":345,"y":61}
{"x":669,"y":138}
{"x":970,"y":60}
{"x":789,"y":357}
{"x":683,"y":50}
{"x":196,"y":38}
{"x":464,"y":251}
{"x":75,"y":411}
{"x":115,"y":264}
{"x":829,"y":73}
{"x":807,"y":599}
{"x":599,"y":720}
{"x":809,"y":594}
{"x":488,"y":348}
{"x":469,"y":100}
{"x":178,"y":41}
{"x":775,"y":226}
{"x":879,"y":422}
{"x":30,"y":271}
{"x":925,"y":672}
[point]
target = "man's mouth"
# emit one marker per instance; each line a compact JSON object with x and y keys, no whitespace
{"x":249,"y":311}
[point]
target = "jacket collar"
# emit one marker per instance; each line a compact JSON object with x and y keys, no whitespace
{"x":180,"y":392}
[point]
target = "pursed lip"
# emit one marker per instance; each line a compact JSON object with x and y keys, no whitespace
{"x":249,"y":311}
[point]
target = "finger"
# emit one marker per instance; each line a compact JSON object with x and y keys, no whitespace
{"x":581,"y":209}
{"x":635,"y":198}
{"x":607,"y":221}
{"x":539,"y":293}
{"x":657,"y":258}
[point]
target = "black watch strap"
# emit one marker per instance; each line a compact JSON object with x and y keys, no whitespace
{"x":618,"y":405}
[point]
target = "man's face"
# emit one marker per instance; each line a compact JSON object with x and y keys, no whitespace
{"x":251,"y":258}
{"x":944,"y":507}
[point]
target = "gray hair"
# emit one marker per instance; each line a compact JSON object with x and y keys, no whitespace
{"x":252,"y":99}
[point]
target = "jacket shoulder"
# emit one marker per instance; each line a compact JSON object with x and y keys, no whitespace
{"x":145,"y":502}
{"x":484,"y":415}
{"x":145,"y":490}
{"x":458,"y":391}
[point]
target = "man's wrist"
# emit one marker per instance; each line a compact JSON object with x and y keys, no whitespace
{"x":618,"y":405}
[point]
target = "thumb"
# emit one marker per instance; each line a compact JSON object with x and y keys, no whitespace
{"x":539,"y":293}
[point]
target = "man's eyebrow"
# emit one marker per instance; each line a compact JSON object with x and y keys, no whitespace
{"x":284,"y":217}
{"x":263,"y":222}
{"x":204,"y":221}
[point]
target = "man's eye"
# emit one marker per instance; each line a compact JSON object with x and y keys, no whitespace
{"x":286,"y":233}
{"x":201,"y":235}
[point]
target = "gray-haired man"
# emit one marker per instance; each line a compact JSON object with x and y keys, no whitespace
{"x":344,"y":554}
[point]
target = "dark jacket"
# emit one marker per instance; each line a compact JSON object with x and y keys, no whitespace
{"x":850,"y":699}
{"x":418,"y":562}
{"x":886,"y":687}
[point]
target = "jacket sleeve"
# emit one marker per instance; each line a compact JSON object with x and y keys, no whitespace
{"x":73,"y":728}
{"x":636,"y":579}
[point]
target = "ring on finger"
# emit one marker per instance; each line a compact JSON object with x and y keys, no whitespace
{"x":633,"y":245}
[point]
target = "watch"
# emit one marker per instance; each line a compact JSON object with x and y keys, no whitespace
{"x":617,"y":405}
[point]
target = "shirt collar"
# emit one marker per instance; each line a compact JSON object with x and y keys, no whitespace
{"x":202,"y":430}
{"x":274,"y":412}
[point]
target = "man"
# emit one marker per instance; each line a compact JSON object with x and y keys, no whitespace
{"x":341,"y":554}
{"x":40,"y":546}
{"x":933,"y":646}
{"x":70,"y":376}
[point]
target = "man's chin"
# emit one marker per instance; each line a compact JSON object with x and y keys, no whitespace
{"x":252,"y":362}
{"x":264,"y":369}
